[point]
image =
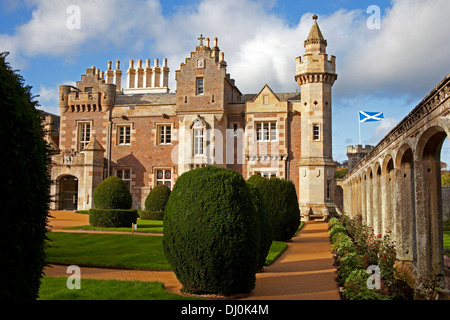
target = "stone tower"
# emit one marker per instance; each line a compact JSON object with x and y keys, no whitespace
{"x":356,"y":153}
{"x":316,"y":75}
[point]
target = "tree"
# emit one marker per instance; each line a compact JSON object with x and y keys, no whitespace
{"x":25,"y":187}
{"x":210,"y":233}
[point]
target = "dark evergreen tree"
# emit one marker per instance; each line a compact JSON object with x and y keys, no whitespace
{"x":210,"y":232}
{"x":25,"y":188}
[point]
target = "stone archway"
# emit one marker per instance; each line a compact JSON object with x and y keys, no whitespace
{"x":404,"y":193}
{"x":68,"y":192}
{"x":428,"y":202}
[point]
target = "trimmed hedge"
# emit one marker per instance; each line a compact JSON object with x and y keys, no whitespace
{"x":265,"y":230}
{"x":112,"y":193}
{"x":112,"y":218}
{"x":210,"y":238}
{"x":157,"y":198}
{"x":151,"y":215}
{"x":281,"y":203}
{"x":24,"y":185}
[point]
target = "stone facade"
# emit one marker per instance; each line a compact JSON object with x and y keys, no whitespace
{"x":147,"y":135}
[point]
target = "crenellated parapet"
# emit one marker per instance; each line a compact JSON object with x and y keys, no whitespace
{"x":91,"y":94}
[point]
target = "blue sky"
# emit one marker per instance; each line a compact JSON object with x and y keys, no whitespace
{"x":389,"y":69}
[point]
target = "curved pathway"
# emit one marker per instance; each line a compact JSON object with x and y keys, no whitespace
{"x":304,"y":271}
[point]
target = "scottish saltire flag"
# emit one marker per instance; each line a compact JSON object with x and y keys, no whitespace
{"x":365,"y":116}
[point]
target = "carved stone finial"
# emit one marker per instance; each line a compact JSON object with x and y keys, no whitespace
{"x":315,"y":17}
{"x":201,"y":40}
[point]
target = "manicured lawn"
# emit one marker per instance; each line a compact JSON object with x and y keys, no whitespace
{"x":145,"y":226}
{"x":118,"y":250}
{"x":107,"y":250}
{"x":55,"y":288}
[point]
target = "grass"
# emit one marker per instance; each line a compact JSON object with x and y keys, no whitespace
{"x":144,"y":226}
{"x":119,"y":250}
{"x":276,"y":249}
{"x":107,"y":250}
{"x":447,"y":238}
{"x":55,"y":288}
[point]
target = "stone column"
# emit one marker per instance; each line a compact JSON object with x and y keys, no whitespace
{"x":148,"y":74}
{"x":156,"y":74}
{"x":140,"y":75}
{"x":422,"y":204}
{"x":363,"y":200}
{"x":118,"y":77}
{"x":369,"y":197}
{"x":131,"y":73}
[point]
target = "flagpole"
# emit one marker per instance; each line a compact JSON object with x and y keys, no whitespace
{"x":359,"y":122}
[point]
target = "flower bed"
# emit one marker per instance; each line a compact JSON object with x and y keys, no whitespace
{"x":365,"y":262}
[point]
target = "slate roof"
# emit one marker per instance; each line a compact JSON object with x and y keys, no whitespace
{"x":146,"y":99}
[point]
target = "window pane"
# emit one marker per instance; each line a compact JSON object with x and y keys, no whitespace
{"x":266,"y":132}
{"x":168,"y":174}
{"x":119,"y":173}
{"x":168,"y":184}
{"x":168,"y":134}
{"x":159,"y":174}
{"x":126,"y":174}
{"x":199,"y":85}
{"x":273,"y":131}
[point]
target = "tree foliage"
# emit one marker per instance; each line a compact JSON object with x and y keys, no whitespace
{"x":25,"y":186}
{"x":210,"y":233}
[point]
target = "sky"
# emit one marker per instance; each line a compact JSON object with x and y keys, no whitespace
{"x":389,"y":54}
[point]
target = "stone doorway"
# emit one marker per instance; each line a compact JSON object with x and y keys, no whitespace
{"x":68,"y":193}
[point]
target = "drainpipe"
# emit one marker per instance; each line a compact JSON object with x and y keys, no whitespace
{"x":288,"y":145}
{"x":108,"y":155}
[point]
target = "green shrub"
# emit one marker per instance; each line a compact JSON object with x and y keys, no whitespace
{"x":342,"y":245}
{"x":157,"y":198}
{"x":210,"y":239}
{"x":112,"y":193}
{"x":333,"y":221}
{"x":151,"y":215}
{"x":25,"y":186}
{"x":347,"y":264}
{"x":355,"y":287}
{"x":280,"y":200}
{"x":265,"y":231}
{"x":112,"y":218}
{"x":337,"y":228}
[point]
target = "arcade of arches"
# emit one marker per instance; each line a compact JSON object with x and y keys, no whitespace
{"x":396,"y":188}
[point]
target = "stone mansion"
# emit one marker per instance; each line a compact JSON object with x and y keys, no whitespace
{"x":147,"y":135}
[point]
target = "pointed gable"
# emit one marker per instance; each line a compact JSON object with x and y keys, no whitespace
{"x":266,"y":101}
{"x":266,"y":96}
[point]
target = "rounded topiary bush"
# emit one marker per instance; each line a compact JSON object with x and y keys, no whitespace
{"x":265,"y":230}
{"x":112,"y":218}
{"x":210,"y":239}
{"x":112,"y":201}
{"x":157,"y":198}
{"x":112,"y":193}
{"x":280,"y":200}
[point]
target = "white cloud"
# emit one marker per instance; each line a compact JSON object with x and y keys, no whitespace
{"x":406,"y":55}
{"x":382,"y":129}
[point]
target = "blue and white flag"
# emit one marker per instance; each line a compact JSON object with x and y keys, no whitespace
{"x":365,"y":116}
